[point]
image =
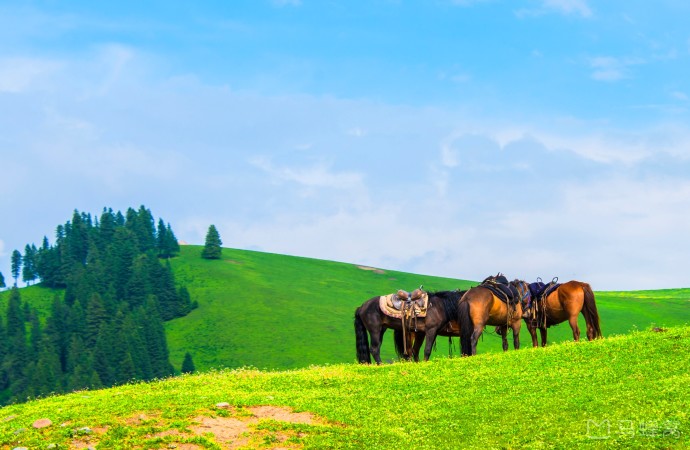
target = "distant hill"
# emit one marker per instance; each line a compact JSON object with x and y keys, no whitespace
{"x":275,"y":311}
{"x":628,"y":392}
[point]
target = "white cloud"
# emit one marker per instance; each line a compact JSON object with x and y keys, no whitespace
{"x":577,"y":7}
{"x":607,"y":69}
{"x":678,"y":95}
{"x":281,"y":3}
{"x":319,"y":175}
{"x":21,"y":74}
{"x":2,"y":248}
{"x":565,"y":7}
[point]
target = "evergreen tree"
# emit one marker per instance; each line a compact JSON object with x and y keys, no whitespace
{"x":188,"y":364}
{"x":171,"y":241}
{"x":29,"y":272}
{"x":17,"y":358}
{"x":2,"y":281}
{"x":96,"y":317}
{"x":16,"y":267}
{"x":212,"y":248}
{"x":107,"y":327}
{"x":166,"y":241}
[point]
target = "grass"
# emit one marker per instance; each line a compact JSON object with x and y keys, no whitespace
{"x":274,"y":311}
{"x":562,"y":396}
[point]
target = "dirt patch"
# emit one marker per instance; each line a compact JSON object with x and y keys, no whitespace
{"x":282,"y":414}
{"x":234,"y":428}
{"x":373,"y":269}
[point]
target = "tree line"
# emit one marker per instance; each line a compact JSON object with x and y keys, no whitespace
{"x":105,"y":325}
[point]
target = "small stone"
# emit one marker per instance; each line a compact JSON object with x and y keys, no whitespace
{"x":8,"y":418}
{"x":20,"y":448}
{"x":223,"y":405}
{"x":42,"y":423}
{"x":52,"y":446}
{"x":85,"y":430}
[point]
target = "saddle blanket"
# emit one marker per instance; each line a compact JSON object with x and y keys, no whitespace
{"x":386,"y":303}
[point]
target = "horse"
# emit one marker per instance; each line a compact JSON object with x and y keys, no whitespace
{"x":566,"y":302}
{"x":480,"y":307}
{"x":371,"y":323}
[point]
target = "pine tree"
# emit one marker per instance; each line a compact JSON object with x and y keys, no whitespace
{"x":188,"y":364}
{"x":212,"y":248}
{"x":16,"y":265}
{"x":29,"y":272}
{"x":96,"y":317}
{"x":2,"y":281}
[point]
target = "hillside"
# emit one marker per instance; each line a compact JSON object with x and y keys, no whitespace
{"x":629,"y":391}
{"x":275,"y":311}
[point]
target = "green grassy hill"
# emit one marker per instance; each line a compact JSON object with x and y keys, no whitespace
{"x":630,"y":391}
{"x":275,"y":311}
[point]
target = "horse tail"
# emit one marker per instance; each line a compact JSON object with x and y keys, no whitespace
{"x":466,"y":327}
{"x":589,"y":310}
{"x":363,"y":354}
{"x":399,"y":338}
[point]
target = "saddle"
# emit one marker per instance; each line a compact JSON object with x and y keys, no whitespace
{"x":502,"y":289}
{"x":401,"y":303}
{"x":540,"y":291}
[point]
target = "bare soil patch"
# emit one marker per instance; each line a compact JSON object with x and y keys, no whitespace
{"x":373,"y":269}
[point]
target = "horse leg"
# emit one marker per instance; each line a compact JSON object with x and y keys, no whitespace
{"x":376,"y":339}
{"x":430,"y":341}
{"x":418,"y":341}
{"x":575,"y":327}
{"x":503,"y":331}
{"x":591,"y":333}
{"x":478,"y":330}
{"x":533,"y":334}
{"x":516,"y":334}
{"x":542,"y":331}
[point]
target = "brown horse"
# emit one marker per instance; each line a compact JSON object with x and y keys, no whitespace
{"x":564,"y":303}
{"x":371,"y":323}
{"x":480,"y":307}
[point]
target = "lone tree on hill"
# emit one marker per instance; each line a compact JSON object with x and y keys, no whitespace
{"x":212,"y":248}
{"x":188,"y":364}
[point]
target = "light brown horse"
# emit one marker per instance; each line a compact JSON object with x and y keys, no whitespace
{"x":564,"y":303}
{"x":480,"y":307}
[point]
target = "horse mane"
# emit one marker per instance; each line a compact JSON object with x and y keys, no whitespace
{"x":449,"y":300}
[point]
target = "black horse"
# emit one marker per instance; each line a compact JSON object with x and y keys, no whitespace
{"x":440,"y":320}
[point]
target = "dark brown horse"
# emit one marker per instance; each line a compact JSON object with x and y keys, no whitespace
{"x":564,"y":303}
{"x":480,"y":307}
{"x":371,"y":323}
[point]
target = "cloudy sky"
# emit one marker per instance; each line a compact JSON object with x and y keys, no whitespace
{"x":458,"y":138}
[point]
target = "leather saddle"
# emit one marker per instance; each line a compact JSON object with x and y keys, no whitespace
{"x":502,"y":289}
{"x":402,"y":298}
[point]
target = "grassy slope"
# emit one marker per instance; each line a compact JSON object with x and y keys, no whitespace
{"x":276,"y":311}
{"x":534,"y":398}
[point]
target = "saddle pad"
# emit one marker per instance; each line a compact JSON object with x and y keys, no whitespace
{"x":506,"y":294}
{"x":386,"y":305}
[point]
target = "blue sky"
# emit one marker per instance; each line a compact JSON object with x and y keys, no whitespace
{"x":458,"y":138}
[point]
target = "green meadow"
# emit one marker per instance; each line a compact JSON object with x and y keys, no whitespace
{"x":273,"y":343}
{"x":271,"y":311}
{"x":629,"y":391}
